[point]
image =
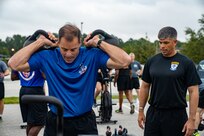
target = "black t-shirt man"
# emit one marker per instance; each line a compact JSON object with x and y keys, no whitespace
{"x":170,"y":77}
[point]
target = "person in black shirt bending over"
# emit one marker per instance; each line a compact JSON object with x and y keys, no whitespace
{"x":169,"y":74}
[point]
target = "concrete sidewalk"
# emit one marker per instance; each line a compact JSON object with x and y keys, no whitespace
{"x":9,"y":126}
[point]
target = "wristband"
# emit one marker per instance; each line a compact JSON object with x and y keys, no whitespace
{"x":99,"y":43}
{"x":141,"y":108}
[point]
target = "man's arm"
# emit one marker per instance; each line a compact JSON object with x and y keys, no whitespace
{"x":19,"y":61}
{"x":118,"y":57}
{"x":193,"y":101}
{"x":7,"y":72}
{"x":143,"y":97}
{"x":189,"y":126}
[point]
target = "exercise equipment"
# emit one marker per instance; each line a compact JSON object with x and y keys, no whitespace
{"x":121,"y":131}
{"x":105,"y":110}
{"x":105,"y":36}
{"x":108,"y":131}
{"x":48,"y":99}
{"x":30,"y":39}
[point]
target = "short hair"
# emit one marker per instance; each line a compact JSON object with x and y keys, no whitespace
{"x":69,"y":31}
{"x":167,"y":32}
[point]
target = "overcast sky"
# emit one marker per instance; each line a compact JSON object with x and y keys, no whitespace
{"x":123,"y":18}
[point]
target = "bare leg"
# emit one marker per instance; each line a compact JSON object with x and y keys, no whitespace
{"x":120,"y":99}
{"x":128,"y":95}
{"x":1,"y":106}
{"x":33,"y":130}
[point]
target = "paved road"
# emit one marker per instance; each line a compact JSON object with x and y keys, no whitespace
{"x":9,"y":126}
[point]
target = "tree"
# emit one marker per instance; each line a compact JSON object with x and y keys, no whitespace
{"x":194,"y":48}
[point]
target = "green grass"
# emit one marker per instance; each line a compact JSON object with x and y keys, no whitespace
{"x":11,"y":100}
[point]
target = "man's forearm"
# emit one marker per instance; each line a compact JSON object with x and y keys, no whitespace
{"x":193,"y":102}
{"x":117,"y":55}
{"x":23,"y":55}
{"x":144,"y":94}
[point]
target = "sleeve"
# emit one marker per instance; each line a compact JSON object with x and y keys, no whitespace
{"x":192,"y":77}
{"x":146,"y":75}
{"x":103,"y":59}
{"x":4,"y":66}
{"x":35,"y":61}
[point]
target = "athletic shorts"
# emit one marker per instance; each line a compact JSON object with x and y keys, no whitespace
{"x":2,"y":91}
{"x":201,"y":99}
{"x":99,"y":78}
{"x":168,"y":122}
{"x":35,"y":113}
{"x":123,"y":83}
{"x":135,"y":84}
{"x":73,"y":126}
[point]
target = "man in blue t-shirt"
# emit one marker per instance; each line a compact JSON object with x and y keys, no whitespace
{"x":71,"y":74}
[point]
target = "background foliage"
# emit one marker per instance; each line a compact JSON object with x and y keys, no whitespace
{"x":142,"y":48}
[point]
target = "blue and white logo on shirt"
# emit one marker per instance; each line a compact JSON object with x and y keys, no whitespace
{"x":27,"y":75}
{"x":82,"y":69}
{"x":174,"y":66}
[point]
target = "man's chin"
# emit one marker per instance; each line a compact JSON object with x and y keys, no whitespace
{"x":68,"y":61}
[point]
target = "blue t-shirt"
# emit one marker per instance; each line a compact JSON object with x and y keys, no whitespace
{"x":72,"y":83}
{"x":31,"y":79}
{"x":135,"y":66}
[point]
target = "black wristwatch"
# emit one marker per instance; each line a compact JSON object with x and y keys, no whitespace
{"x":99,"y":43}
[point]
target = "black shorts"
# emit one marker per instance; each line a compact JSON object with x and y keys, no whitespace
{"x":165,"y":122}
{"x":99,"y":78}
{"x":2,"y":90}
{"x":123,"y":83}
{"x":74,"y":126}
{"x":135,"y":84}
{"x":201,"y":99}
{"x":35,"y":113}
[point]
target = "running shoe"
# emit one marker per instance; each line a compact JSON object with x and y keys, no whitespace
{"x":119,"y":111}
{"x":132,"y":109}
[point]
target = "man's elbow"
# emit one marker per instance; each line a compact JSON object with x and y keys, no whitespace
{"x":126,"y":62}
{"x":11,"y":64}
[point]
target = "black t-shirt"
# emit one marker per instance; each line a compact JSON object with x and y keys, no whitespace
{"x":169,"y":78}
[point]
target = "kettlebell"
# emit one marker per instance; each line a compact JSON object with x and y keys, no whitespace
{"x":34,"y":37}
{"x":105,"y":36}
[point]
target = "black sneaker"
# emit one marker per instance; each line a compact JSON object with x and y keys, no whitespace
{"x":132,"y":109}
{"x":119,"y":111}
{"x":201,"y":127}
{"x":94,"y":104}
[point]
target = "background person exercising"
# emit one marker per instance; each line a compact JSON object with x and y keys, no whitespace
{"x":71,"y":72}
{"x":200,"y":109}
{"x":136,"y":72}
{"x":122,"y":78}
{"x":4,"y":71}
{"x":169,"y":74}
{"x":32,"y":83}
